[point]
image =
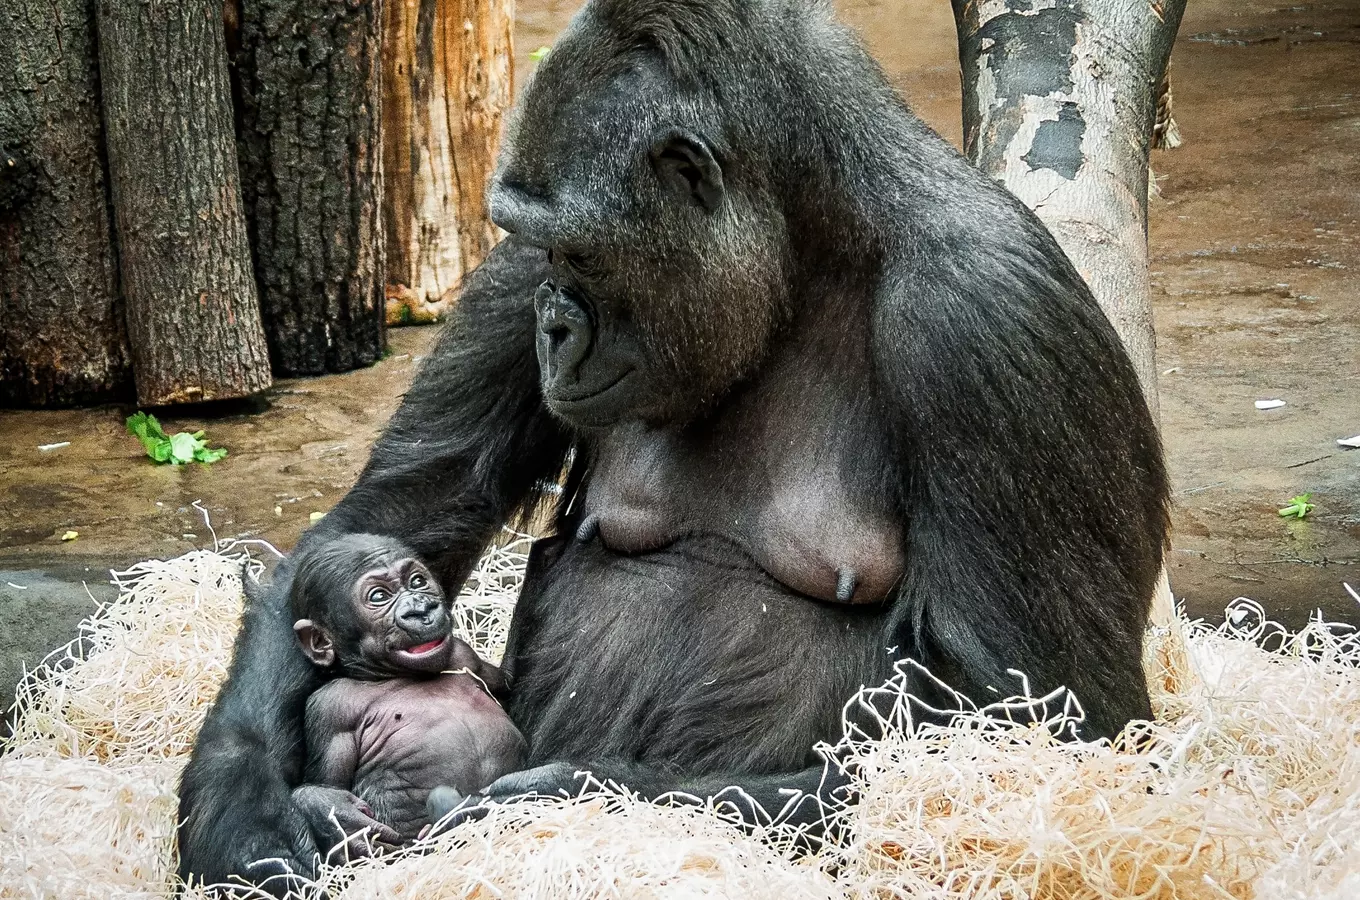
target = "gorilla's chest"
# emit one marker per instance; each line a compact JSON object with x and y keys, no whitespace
{"x":799,"y":480}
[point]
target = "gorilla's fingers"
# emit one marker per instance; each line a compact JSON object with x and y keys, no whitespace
{"x":361,"y":844}
{"x":276,"y":877}
{"x":559,"y":779}
{"x":448,"y":808}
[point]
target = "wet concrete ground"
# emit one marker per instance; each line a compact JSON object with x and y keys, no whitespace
{"x":1256,"y":268}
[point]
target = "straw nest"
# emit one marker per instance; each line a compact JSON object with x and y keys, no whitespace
{"x":1246,"y":785}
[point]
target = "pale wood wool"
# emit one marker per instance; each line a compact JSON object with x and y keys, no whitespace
{"x":1249,"y":785}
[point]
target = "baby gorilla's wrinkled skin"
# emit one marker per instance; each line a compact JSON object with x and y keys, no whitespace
{"x":392,"y":742}
{"x":412,"y":706}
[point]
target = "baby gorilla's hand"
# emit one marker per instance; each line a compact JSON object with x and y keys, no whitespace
{"x":342,"y":824}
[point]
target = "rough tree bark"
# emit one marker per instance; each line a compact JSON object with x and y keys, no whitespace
{"x":311,"y":175}
{"x":1059,"y":99}
{"x":61,"y":323}
{"x":192,"y":313}
{"x":447,"y":82}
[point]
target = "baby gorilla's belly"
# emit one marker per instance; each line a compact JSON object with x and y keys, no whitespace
{"x":446,"y":731}
{"x":689,"y":658}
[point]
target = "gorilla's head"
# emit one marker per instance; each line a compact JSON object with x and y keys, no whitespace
{"x":667,"y":243}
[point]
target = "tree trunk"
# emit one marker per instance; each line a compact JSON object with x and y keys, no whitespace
{"x":61,"y":324}
{"x":192,"y":313}
{"x":1059,"y":98}
{"x":447,"y":82}
{"x":311,"y":175}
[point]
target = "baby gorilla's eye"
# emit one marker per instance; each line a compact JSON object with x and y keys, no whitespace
{"x":416,"y":581}
{"x":377,"y":596}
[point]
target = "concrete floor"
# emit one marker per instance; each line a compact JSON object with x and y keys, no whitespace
{"x":1256,"y":268}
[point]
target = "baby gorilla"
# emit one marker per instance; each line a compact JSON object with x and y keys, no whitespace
{"x":412,"y":706}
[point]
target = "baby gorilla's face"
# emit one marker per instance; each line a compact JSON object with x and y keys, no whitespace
{"x":404,"y":619}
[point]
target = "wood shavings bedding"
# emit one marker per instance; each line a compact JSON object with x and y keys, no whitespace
{"x":1247,"y":784}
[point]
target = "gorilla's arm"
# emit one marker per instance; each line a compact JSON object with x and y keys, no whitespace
{"x":472,"y":439}
{"x":793,"y":798}
{"x":462,"y":656}
{"x":332,"y":720}
{"x":468,"y":446}
{"x":234,"y":798}
{"x":1034,"y":481}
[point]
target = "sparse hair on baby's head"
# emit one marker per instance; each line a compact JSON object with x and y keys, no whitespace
{"x":331,"y":566}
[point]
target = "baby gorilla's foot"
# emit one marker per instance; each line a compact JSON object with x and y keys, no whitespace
{"x":442,"y":801}
{"x":448,"y":807}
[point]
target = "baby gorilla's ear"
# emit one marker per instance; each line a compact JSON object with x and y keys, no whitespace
{"x":316,"y":643}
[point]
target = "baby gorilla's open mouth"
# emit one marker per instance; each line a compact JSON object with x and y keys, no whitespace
{"x":427,"y":658}
{"x":424,"y":649}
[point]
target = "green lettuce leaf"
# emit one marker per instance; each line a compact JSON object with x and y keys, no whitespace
{"x":179,"y":448}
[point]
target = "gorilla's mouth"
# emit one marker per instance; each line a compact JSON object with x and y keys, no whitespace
{"x":592,"y":392}
{"x":424,"y":649}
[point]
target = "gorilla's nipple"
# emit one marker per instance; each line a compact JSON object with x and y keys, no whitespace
{"x":846,"y":582}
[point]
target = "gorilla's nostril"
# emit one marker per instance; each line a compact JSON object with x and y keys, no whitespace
{"x":558,"y":336}
{"x":565,"y":333}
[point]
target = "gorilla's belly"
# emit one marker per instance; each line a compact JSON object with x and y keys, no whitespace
{"x":689,"y":656}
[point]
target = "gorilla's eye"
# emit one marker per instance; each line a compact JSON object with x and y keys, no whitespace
{"x":416,"y":581}
{"x":576,"y":263}
{"x":377,"y":596}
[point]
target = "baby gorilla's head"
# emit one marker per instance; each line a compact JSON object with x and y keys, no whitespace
{"x":367,"y":606}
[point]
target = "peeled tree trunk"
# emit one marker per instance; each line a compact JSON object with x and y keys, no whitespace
{"x":1059,"y":100}
{"x":447,"y":83}
{"x":192,"y":312}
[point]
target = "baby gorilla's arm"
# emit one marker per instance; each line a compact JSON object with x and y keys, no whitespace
{"x":462,"y":656}
{"x":338,"y":819}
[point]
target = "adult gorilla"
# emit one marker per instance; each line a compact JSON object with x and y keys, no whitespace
{"x":835,"y":399}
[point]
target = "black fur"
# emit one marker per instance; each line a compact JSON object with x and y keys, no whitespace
{"x":851,"y":367}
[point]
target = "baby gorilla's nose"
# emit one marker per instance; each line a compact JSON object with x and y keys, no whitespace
{"x":417,"y":610}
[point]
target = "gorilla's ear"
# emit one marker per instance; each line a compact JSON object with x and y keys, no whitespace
{"x":316,"y":643}
{"x":684,"y":164}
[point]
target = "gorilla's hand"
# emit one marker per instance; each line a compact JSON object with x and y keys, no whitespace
{"x":342,"y":825}
{"x":267,"y":842}
{"x":237,"y":817}
{"x":447,"y":808}
{"x":559,"y":779}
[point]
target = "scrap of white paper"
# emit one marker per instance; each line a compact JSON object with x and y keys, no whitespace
{"x":1352,"y":442}
{"x":1269,"y":404}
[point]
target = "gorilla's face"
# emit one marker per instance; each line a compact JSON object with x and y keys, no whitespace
{"x":667,"y":258}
